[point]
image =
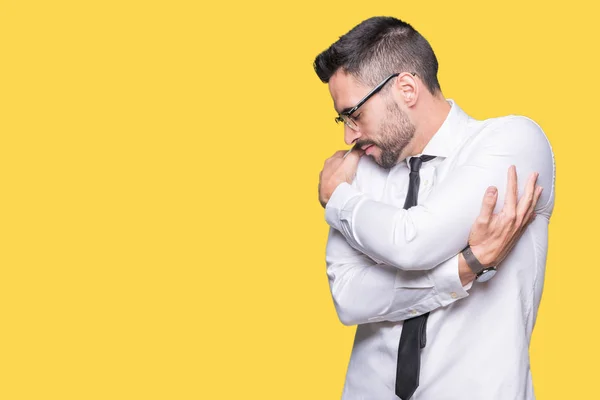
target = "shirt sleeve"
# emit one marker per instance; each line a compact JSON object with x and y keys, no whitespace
{"x":426,"y":235}
{"x":365,"y":291}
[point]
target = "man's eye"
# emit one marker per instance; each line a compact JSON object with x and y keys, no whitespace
{"x":356,"y":117}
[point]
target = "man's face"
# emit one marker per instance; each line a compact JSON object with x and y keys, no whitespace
{"x":384,"y":129}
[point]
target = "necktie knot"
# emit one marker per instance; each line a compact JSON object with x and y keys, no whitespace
{"x":416,"y":162}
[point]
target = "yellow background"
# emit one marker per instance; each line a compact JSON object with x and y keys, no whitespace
{"x":161,"y":236}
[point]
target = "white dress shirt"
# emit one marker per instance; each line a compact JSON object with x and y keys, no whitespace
{"x":386,"y":264}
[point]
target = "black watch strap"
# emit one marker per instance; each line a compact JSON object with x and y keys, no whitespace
{"x":472,"y":261}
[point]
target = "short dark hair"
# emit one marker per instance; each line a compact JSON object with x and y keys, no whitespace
{"x":377,"y":48}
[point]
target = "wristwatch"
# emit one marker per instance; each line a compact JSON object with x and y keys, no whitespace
{"x":483,"y":274}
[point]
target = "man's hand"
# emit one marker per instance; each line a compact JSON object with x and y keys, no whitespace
{"x":493,"y":236}
{"x":337,"y":170}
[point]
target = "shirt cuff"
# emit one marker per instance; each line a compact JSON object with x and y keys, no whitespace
{"x":340,"y":205}
{"x":447,"y":282}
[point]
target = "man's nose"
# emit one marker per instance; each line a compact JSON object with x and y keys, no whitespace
{"x":350,"y":135}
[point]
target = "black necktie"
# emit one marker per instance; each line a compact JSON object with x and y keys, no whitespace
{"x":413,"y":337}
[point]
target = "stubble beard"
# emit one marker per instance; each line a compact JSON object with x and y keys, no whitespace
{"x":396,"y":132}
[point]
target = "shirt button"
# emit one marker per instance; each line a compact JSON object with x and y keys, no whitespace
{"x":453,"y":295}
{"x":413,"y":312}
{"x":426,"y":182}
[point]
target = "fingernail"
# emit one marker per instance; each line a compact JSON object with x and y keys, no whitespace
{"x":491,"y":191}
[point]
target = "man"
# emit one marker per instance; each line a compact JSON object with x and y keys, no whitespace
{"x":401,"y":207}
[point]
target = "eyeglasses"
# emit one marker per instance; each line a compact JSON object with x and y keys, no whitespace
{"x":346,"y":116}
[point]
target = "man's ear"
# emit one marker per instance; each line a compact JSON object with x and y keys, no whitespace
{"x":406,"y":89}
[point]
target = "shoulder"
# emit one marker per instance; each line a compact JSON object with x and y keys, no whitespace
{"x":516,"y":131}
{"x":512,"y":135}
{"x":513,"y":139}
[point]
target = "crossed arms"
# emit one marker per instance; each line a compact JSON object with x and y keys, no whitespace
{"x":387,"y":263}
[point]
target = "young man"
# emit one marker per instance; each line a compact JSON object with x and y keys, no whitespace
{"x":410,"y":236}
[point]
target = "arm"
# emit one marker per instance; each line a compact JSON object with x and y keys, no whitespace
{"x":364,"y":291}
{"x":426,"y":235}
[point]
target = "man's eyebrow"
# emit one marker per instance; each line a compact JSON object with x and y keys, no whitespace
{"x":345,"y":110}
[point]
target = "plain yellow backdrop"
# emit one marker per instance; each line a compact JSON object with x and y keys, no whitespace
{"x":161,"y":236}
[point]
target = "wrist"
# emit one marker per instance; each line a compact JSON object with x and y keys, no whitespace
{"x":484,"y":259}
{"x":465,"y":273}
{"x":483,"y":273}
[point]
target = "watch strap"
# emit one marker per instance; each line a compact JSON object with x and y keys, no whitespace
{"x":472,"y":261}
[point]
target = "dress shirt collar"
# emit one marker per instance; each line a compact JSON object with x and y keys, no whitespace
{"x":449,"y":136}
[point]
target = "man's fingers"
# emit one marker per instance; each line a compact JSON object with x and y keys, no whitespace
{"x":531,"y":212}
{"x":345,"y":154}
{"x":488,"y":204}
{"x":530,"y":216}
{"x":510,"y":200}
{"x":355,"y":155}
{"x":528,"y":197}
{"x":537,"y":196}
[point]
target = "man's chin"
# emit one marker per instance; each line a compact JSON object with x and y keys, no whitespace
{"x":385,"y":162}
{"x":379,"y":162}
{"x":375,"y":158}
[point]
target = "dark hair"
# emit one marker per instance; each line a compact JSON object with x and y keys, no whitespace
{"x":377,"y":48}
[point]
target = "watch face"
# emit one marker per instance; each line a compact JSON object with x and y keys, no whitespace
{"x":486,"y":275}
